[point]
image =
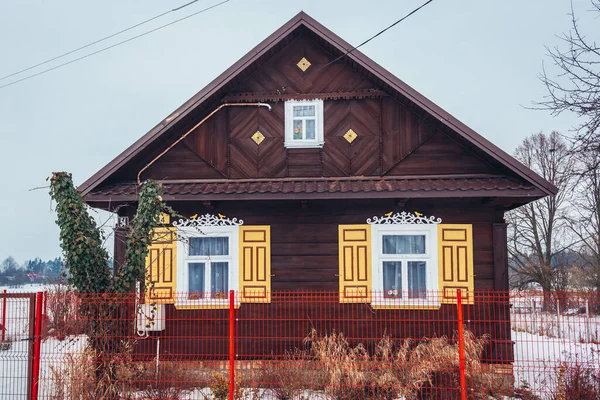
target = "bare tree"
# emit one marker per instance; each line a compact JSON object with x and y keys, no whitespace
{"x":536,"y":234}
{"x":576,"y":85}
{"x":585,"y":223}
{"x":10,"y":264}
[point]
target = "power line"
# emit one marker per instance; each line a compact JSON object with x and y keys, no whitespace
{"x":114,"y":45}
{"x":366,"y":41}
{"x":98,"y":41}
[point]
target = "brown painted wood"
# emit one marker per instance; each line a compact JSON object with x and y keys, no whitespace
{"x":402,"y":132}
{"x":393,"y":138}
{"x":440,"y":154}
{"x":361,"y":157}
{"x":499,"y":232}
{"x":120,"y":247}
{"x":304,"y":162}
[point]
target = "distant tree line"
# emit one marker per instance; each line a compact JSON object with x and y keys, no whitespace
{"x":33,"y":270}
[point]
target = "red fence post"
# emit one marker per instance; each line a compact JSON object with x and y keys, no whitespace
{"x":231,"y":344}
{"x":4,"y":316}
{"x":35,"y":377}
{"x":461,"y":346}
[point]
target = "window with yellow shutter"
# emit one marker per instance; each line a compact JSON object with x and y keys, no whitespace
{"x":355,"y":263}
{"x":161,"y":266}
{"x":455,"y":248}
{"x":255,"y":264}
{"x":197,"y":261}
{"x":405,"y":260}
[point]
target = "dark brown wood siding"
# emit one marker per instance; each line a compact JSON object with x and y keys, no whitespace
{"x":393,"y":138}
{"x":304,"y":256}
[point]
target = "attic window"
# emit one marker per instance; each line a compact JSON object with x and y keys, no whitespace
{"x":304,"y":123}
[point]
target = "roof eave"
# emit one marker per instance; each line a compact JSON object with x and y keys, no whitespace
{"x":530,"y":194}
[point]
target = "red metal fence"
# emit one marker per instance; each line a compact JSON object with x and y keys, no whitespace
{"x":309,"y":345}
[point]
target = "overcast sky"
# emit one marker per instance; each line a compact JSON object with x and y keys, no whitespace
{"x":479,"y":60}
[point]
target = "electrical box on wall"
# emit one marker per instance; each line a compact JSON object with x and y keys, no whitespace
{"x":151,"y":318}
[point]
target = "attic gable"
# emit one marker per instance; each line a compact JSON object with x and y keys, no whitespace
{"x":364,"y":74}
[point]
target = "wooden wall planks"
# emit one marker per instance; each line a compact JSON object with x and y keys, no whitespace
{"x":393,"y":139}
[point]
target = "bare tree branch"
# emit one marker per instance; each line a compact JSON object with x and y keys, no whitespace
{"x":576,"y":86}
{"x":537,"y":230}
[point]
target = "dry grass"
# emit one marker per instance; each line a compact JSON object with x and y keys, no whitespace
{"x":219,"y":387}
{"x":577,"y":382}
{"x":63,"y":308}
{"x":75,"y":378}
{"x":289,"y":377}
{"x":424,"y":370}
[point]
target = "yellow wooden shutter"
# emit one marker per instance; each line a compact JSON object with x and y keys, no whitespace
{"x":355,"y":263}
{"x":161,"y":266}
{"x":255,"y":264}
{"x":455,"y":255}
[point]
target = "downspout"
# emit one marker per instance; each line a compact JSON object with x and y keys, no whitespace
{"x":194,"y":127}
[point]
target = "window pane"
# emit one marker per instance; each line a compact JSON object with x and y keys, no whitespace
{"x":404,"y":244}
{"x":219,"y":280}
{"x":304,"y":111}
{"x":310,"y":128}
{"x":196,"y":280}
{"x":209,"y":246}
{"x":392,"y":279}
{"x":417,"y":287}
{"x":297,"y":129}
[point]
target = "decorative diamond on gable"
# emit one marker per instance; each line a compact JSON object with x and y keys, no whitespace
{"x":258,"y":137}
{"x":303,"y":64}
{"x":350,"y":136}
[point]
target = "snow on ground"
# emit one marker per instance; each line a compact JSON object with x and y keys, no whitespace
{"x":538,"y":359}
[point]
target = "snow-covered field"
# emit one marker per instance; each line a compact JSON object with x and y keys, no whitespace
{"x":542,"y":342}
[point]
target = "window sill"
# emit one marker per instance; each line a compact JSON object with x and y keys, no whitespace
{"x":303,"y":145}
{"x":393,"y":304}
{"x":212,"y":304}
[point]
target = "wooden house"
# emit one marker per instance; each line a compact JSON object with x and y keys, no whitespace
{"x":307,"y":166}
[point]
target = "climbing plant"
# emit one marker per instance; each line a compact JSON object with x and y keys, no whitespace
{"x":80,"y":238}
{"x":110,"y":321}
{"x":150,"y":205}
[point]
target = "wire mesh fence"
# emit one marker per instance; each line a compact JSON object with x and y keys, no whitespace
{"x":16,"y":352}
{"x":307,"y":345}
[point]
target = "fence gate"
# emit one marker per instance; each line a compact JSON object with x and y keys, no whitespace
{"x":16,"y":345}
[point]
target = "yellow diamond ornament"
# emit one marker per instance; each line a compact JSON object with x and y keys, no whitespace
{"x":303,"y":64}
{"x":258,"y":137}
{"x":350,"y":136}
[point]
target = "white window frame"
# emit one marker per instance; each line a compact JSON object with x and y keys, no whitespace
{"x":183,"y":259}
{"x":430,"y":257}
{"x":318,"y":141}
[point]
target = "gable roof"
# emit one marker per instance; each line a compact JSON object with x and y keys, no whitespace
{"x":337,"y":44}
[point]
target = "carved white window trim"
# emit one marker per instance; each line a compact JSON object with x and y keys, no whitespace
{"x":319,"y":139}
{"x":429,"y":230}
{"x":403,"y":218}
{"x":207,"y":220}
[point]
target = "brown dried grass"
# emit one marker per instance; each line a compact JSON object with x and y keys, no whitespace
{"x":428,"y":369}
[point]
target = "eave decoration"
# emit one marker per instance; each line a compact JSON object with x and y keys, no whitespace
{"x":200,"y":221}
{"x":403,"y":218}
